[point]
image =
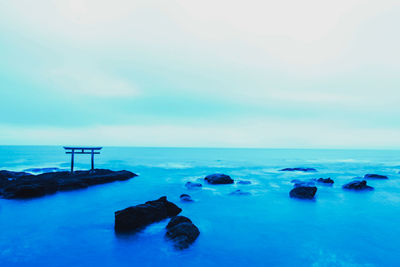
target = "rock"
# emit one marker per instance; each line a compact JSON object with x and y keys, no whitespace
{"x":239,"y":193}
{"x":26,"y":185}
{"x":182,"y":232}
{"x":243,"y":182}
{"x":219,"y":178}
{"x":375,"y":176}
{"x":139,"y":216}
{"x":303,"y":192}
{"x":325,"y":181}
{"x":177,"y":220}
{"x":298,"y":170}
{"x":185,"y":198}
{"x":191,"y":185}
{"x":358,"y":185}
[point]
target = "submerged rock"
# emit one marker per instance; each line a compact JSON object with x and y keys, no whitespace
{"x":192,"y":185}
{"x":375,"y":176}
{"x":358,"y":185}
{"x":219,"y":178}
{"x":182,"y":232}
{"x":303,"y":192}
{"x":185,"y":198}
{"x":26,"y":185}
{"x":298,"y":183}
{"x":136,"y":217}
{"x":239,"y":193}
{"x":244,"y":182}
{"x":325,"y":181}
{"x":298,"y":170}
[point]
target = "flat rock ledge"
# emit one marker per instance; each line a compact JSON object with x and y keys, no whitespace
{"x":303,"y":192}
{"x":218,"y":178}
{"x":375,"y":176}
{"x":136,"y":217}
{"x":182,"y":232}
{"x":26,"y":185}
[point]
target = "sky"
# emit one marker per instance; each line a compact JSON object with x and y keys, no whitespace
{"x":270,"y":74}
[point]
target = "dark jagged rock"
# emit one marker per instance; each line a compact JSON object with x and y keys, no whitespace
{"x":243,"y":182}
{"x":298,"y":170}
{"x":303,"y":192}
{"x":375,"y":176}
{"x":219,"y":178}
{"x":239,"y":193}
{"x":139,"y":216}
{"x":358,"y":185}
{"x":325,"y":181}
{"x":185,"y":198}
{"x":298,"y":183}
{"x":26,"y":185}
{"x":182,"y":232}
{"x":191,"y":185}
{"x":177,"y":220}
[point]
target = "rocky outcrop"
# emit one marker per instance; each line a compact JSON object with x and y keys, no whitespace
{"x":182,"y":232}
{"x":358,"y":185}
{"x":26,"y":185}
{"x":139,"y":216}
{"x":375,"y":176}
{"x":325,"y":181}
{"x":192,"y":185}
{"x":185,"y":198}
{"x":219,"y":178}
{"x":303,"y":192}
{"x":298,"y":170}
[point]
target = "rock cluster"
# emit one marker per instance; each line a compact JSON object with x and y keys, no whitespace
{"x":182,"y":232}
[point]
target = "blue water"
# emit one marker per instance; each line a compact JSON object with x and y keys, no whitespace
{"x":267,"y":228}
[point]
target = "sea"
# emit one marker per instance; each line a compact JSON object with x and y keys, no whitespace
{"x":263,"y":228}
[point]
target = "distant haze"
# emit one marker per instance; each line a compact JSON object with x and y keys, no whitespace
{"x":301,"y":74}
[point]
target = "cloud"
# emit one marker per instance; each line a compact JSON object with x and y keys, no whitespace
{"x":89,"y":82}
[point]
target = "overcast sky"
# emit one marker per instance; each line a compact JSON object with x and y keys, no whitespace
{"x":317,"y":74}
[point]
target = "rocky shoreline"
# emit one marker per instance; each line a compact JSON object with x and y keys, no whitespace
{"x":25,"y":185}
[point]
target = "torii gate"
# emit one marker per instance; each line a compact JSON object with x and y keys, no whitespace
{"x":82,"y":150}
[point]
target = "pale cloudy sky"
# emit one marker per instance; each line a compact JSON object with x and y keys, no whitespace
{"x":311,"y":73}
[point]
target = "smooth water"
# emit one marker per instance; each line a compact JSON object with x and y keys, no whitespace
{"x":267,"y":228}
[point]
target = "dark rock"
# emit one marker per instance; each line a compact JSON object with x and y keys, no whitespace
{"x":357,"y":185}
{"x":182,"y":232}
{"x":239,"y":193}
{"x":26,"y":185}
{"x":191,"y":185}
{"x":375,"y":176}
{"x":303,"y":192}
{"x":219,"y":178}
{"x":243,"y":182}
{"x":136,"y":217}
{"x":325,"y":181}
{"x":298,"y":170}
{"x":177,"y":220}
{"x":185,"y":198}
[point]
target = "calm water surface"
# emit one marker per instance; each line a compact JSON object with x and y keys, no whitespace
{"x":267,"y":228}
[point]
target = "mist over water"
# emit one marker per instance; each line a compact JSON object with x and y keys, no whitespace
{"x":266,"y":228}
